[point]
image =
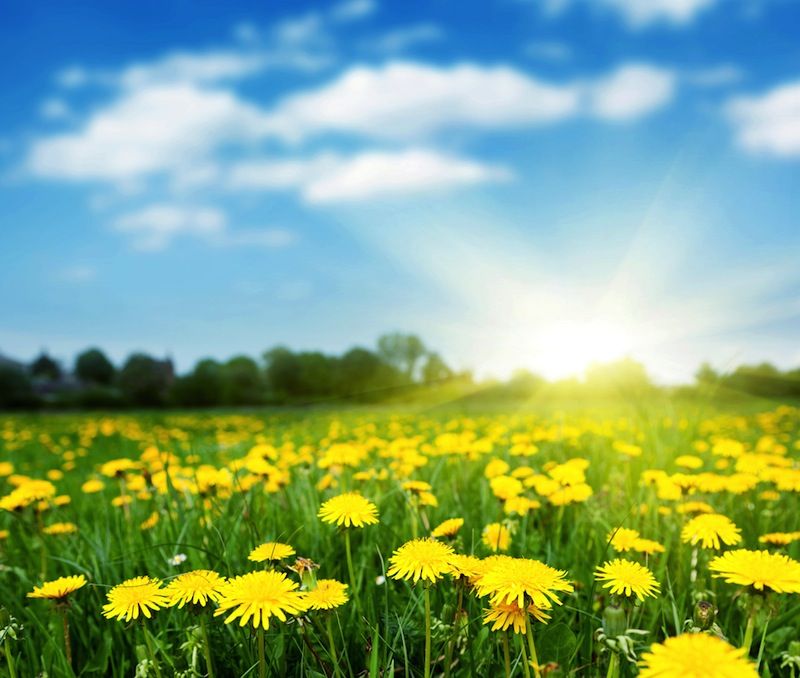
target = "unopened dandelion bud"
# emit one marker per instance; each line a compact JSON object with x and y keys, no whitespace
{"x":614,"y":621}
{"x":705,"y":614}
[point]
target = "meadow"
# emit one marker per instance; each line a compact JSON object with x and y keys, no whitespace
{"x":408,"y":542}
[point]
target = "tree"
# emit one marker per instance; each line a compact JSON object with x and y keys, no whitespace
{"x":242,"y":383}
{"x":435,"y":369}
{"x":44,"y":367}
{"x":361,"y":371}
{"x":93,"y":367}
{"x":202,"y":387}
{"x":282,"y":372}
{"x":706,"y":375}
{"x":16,"y":389}
{"x":144,"y":380}
{"x":625,"y":377}
{"x":401,"y":351}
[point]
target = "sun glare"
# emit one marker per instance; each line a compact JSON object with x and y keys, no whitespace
{"x":569,"y":348}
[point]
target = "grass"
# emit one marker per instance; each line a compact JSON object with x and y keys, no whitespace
{"x":385,"y":633}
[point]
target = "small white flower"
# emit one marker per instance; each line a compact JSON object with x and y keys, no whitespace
{"x":177,"y":559}
{"x":380,"y":580}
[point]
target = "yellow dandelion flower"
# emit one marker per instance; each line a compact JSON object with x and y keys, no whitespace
{"x":623,"y":539}
{"x":421,"y":558}
{"x":503,"y":615}
{"x":150,"y":522}
{"x":133,"y":597}
{"x":60,"y":528}
{"x":58,"y":588}
{"x":257,"y":596}
{"x":648,"y":546}
{"x":272,"y":550}
{"x":759,"y":569}
{"x":465,"y":566}
{"x":92,"y":486}
{"x":196,"y":587}
{"x":779,"y":538}
{"x":448,"y":528}
{"x":496,"y":536}
{"x":624,"y":577}
{"x":695,"y":655}
{"x":328,"y":594}
{"x":709,"y":529}
{"x":349,"y":509}
{"x":521,"y":580}
{"x":117,"y":468}
{"x":4,"y":534}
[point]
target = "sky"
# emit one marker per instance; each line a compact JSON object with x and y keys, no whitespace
{"x":525,"y":184}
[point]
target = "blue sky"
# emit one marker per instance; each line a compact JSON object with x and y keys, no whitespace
{"x":525,"y":184}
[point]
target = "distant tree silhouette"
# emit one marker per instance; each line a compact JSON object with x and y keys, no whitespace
{"x":93,"y":367}
{"x":44,"y":367}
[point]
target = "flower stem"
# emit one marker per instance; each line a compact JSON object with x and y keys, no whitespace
{"x":613,"y":666}
{"x":12,"y":667}
{"x":427,"y":632}
{"x":67,"y":644}
{"x":532,"y":647}
{"x":152,"y":655}
{"x":351,"y":571}
{"x":448,"y":655}
{"x":506,"y":655}
{"x":206,"y":647}
{"x":262,"y":662}
{"x":525,"y":664}
{"x":748,"y":631}
{"x":332,"y":646}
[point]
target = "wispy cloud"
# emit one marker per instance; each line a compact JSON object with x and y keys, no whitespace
{"x":632,"y":91}
{"x":353,"y":10}
{"x":401,"y":39}
{"x":768,"y":123}
{"x":640,"y":14}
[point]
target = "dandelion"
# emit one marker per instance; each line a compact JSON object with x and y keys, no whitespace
{"x":695,"y":655}
{"x":133,"y":597}
{"x":150,"y":522}
{"x":758,"y":569}
{"x":496,"y":536}
{"x":624,"y":577}
{"x":779,"y":538}
{"x":257,"y":596}
{"x":448,"y":528}
{"x":328,"y":594}
{"x":623,"y":539}
{"x":349,"y":509}
{"x":271,"y":551}
{"x":58,"y":590}
{"x":197,"y":587}
{"x":60,"y":528}
{"x":523,"y":582}
{"x":709,"y":529}
{"x":505,"y":615}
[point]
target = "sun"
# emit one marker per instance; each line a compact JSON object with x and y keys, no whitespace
{"x":568,"y":348}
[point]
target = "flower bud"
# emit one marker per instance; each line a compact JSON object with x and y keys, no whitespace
{"x":704,"y":615}
{"x":614,"y":621}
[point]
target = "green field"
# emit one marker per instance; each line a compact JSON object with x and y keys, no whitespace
{"x":213,"y":486}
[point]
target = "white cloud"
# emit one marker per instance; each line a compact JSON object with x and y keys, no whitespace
{"x":405,"y":99}
{"x":715,"y":76}
{"x":403,"y":38}
{"x":376,"y":174}
{"x":147,"y":130}
{"x":154,"y":227}
{"x":190,"y":67}
{"x":632,"y":91}
{"x":72,"y":77}
{"x":352,"y":10}
{"x":328,"y":177}
{"x":639,"y":14}
{"x":769,"y":123}
{"x":55,"y":109}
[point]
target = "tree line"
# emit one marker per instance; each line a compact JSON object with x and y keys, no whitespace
{"x":399,"y":366}
{"x":281,"y":376}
